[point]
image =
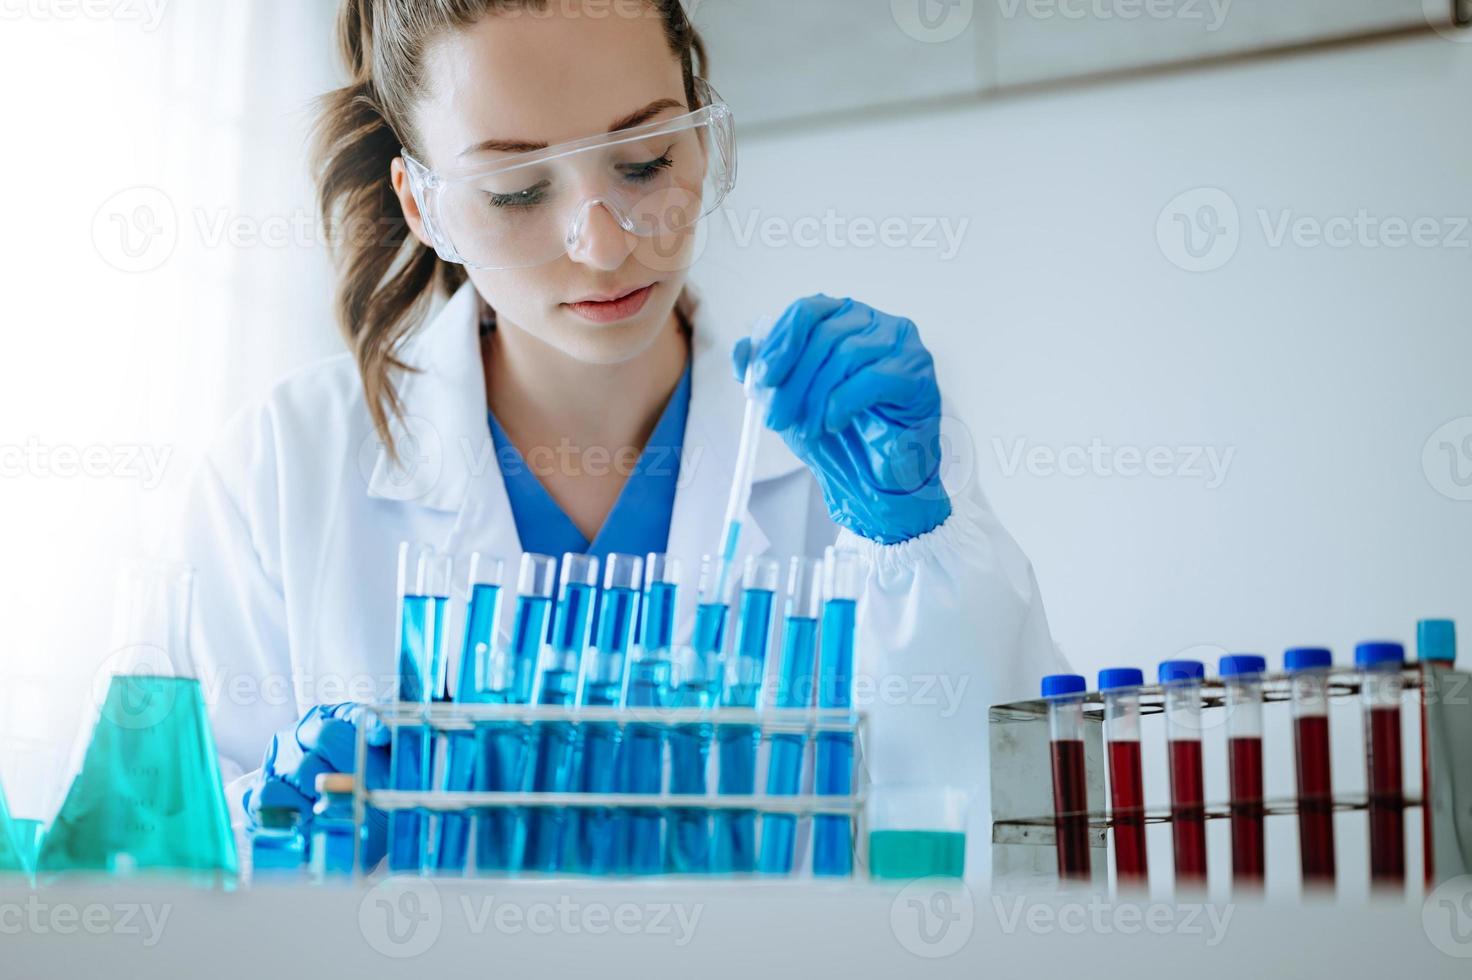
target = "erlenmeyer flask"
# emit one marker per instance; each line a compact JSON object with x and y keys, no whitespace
{"x":147,"y":794}
{"x":13,"y":860}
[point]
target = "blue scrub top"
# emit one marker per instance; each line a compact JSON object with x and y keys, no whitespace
{"x":640,"y":520}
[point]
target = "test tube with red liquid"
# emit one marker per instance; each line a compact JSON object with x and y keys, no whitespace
{"x":1070,"y":784}
{"x":1121,"y":689}
{"x":1436,"y":648}
{"x":1181,"y":685}
{"x":1309,"y":668}
{"x":1380,"y":666}
{"x":1242,"y":680}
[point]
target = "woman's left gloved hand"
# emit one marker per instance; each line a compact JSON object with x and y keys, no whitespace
{"x":853,"y":393}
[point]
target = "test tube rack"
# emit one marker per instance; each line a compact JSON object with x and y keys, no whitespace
{"x":444,"y":719}
{"x":1024,"y":840}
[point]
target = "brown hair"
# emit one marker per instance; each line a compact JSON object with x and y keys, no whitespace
{"x":387,"y":277}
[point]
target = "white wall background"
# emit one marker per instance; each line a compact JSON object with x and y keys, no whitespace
{"x":1063,"y":317}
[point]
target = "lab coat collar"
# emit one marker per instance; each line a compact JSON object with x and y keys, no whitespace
{"x":448,"y":452}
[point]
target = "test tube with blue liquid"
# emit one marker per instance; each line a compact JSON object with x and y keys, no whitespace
{"x":641,"y":761}
{"x":746,"y":667}
{"x":795,"y":686}
{"x":424,"y":590}
{"x":557,"y":684}
{"x":594,"y":841}
{"x":834,"y":761}
{"x":483,"y":601}
{"x":698,"y":685}
{"x":503,"y":747}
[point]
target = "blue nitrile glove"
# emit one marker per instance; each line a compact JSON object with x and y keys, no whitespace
{"x":324,"y":740}
{"x":853,"y":393}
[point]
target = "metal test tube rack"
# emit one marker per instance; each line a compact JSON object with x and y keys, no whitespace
{"x":1024,"y":840}
{"x":445,"y":718}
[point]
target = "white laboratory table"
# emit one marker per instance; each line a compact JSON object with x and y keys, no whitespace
{"x":416,"y":928}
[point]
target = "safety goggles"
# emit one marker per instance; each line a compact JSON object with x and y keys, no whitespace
{"x":656,"y":180}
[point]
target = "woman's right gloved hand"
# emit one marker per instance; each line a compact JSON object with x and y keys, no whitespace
{"x":323,"y":741}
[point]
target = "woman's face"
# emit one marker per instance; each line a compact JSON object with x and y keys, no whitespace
{"x":567,"y":73}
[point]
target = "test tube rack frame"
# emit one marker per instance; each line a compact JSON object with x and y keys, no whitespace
{"x":449,"y":718}
{"x":1024,"y":840}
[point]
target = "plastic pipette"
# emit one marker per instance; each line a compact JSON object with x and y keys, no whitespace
{"x":740,"y":497}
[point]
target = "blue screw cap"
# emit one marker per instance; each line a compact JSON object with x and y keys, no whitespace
{"x":1436,"y":641}
{"x":1175,"y":671}
{"x":1307,"y":658}
{"x":1368,"y":655}
{"x":1242,"y":665}
{"x":1058,"y":685}
{"x":1115,"y":678}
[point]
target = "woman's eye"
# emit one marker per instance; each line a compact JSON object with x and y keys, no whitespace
{"x":640,"y":172}
{"x":521,"y":199}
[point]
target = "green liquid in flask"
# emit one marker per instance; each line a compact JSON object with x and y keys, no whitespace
{"x":14,"y":857}
{"x":149,"y":795}
{"x":910,"y":854}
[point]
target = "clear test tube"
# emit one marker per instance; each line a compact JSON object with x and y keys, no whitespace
{"x":477,"y":646}
{"x":424,"y":590}
{"x":698,"y":678}
{"x":1436,"y":648}
{"x":594,"y":845}
{"x":738,"y":745}
{"x":1380,"y":666}
{"x":1242,"y":680}
{"x":1121,"y":689}
{"x":794,"y":690}
{"x":833,"y":836}
{"x":641,"y":849}
{"x":1309,"y":668}
{"x":1181,"y":685}
{"x":1064,"y":693}
{"x":554,"y":741}
{"x":536,"y":586}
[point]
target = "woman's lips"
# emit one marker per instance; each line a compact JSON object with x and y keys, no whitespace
{"x":614,"y":310}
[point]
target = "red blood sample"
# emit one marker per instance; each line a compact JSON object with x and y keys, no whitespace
{"x":1315,"y":800}
{"x":1127,"y":801}
{"x":1244,"y":765}
{"x":1188,"y":810}
{"x":1070,"y":809}
{"x":1387,"y":800}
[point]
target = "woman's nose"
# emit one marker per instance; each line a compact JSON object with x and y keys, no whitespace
{"x":597,"y":240}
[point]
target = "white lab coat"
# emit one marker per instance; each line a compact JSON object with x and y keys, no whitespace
{"x":294,"y":519}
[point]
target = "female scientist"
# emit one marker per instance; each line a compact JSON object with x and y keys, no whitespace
{"x":527,"y":371}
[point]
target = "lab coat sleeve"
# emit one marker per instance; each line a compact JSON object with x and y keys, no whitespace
{"x":950,"y":623}
{"x":238,"y":631}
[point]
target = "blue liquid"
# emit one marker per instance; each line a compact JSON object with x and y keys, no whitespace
{"x":421,"y":676}
{"x":735,"y":830}
{"x":552,"y":772}
{"x":833,"y":835}
{"x":480,"y":635}
{"x":527,"y":630}
{"x":690,"y":832}
{"x":331,"y":853}
{"x":641,"y":769}
{"x":784,"y":766}
{"x":574,"y":613}
{"x":277,"y":853}
{"x":659,"y":616}
{"x":502,"y":751}
{"x":710,"y":628}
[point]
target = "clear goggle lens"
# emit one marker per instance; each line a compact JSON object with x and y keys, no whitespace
{"x":656,"y":181}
